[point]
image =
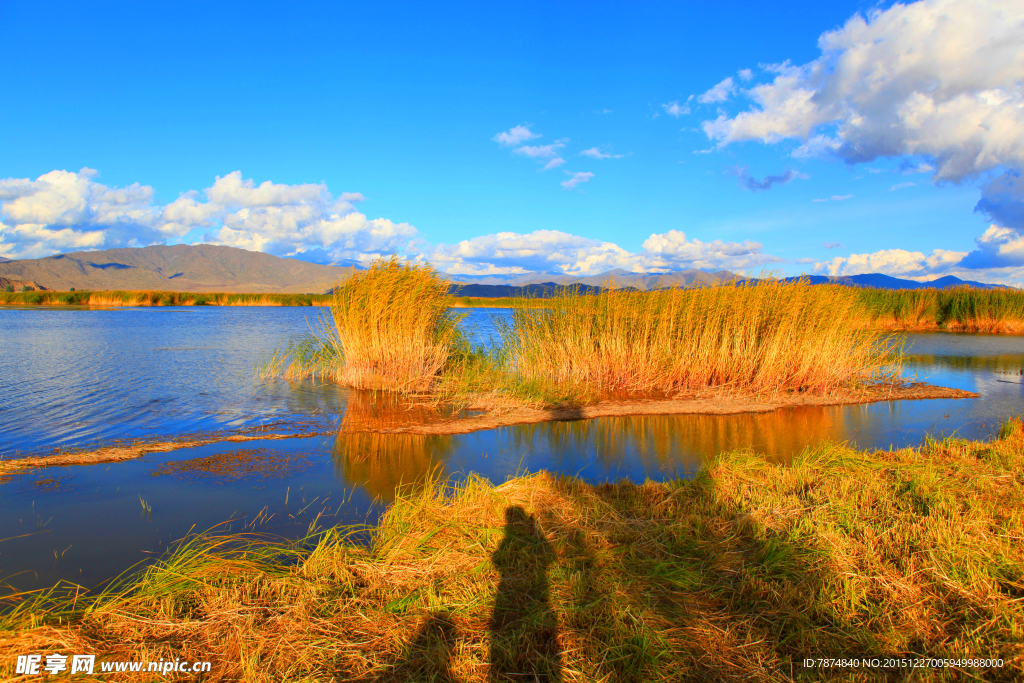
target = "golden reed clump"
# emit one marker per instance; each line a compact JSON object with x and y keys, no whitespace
{"x":389,"y":329}
{"x":752,"y":337}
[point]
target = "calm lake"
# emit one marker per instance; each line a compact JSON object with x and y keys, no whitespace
{"x":75,"y":378}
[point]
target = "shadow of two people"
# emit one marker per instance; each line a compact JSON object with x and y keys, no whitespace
{"x":523,"y":629}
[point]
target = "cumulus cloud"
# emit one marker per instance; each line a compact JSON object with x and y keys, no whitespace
{"x":554,"y":163}
{"x":576,"y":179}
{"x":719,"y":93}
{"x":541,"y":151}
{"x":595,"y":153}
{"x":749,"y":183}
{"x":560,"y":252}
{"x":516,"y":135}
{"x":746,"y":74}
{"x":675,"y":109}
{"x":896,"y":262}
{"x":998,"y":247}
{"x":66,"y":211}
{"x":940,"y":79}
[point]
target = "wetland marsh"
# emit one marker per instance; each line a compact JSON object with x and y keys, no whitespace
{"x":344,"y":458}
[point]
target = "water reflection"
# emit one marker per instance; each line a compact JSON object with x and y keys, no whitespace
{"x":381,"y":463}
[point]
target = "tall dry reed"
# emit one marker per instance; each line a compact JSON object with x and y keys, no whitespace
{"x":389,"y":328}
{"x":754,"y":337}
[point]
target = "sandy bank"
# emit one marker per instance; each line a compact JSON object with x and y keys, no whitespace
{"x":690,"y":405}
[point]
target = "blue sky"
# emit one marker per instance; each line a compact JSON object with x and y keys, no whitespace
{"x":805,"y":137}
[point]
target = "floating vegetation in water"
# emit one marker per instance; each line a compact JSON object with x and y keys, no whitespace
{"x":252,"y":462}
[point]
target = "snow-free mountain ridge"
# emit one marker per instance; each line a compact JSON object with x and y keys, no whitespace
{"x":212,"y":268}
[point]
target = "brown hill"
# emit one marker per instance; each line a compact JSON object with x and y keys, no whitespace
{"x":178,"y":268}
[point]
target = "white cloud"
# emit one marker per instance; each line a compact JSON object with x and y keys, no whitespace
{"x":902,"y":186}
{"x":560,"y":252}
{"x":595,"y":153}
{"x":746,"y":74}
{"x":937,"y":78}
{"x":233,"y":190}
{"x":816,"y":147}
{"x":719,"y":93}
{"x":833,"y":245}
{"x":576,"y":179}
{"x":998,"y":247}
{"x":554,"y":163}
{"x":749,"y":183}
{"x":896,"y":262}
{"x":541,"y":151}
{"x":515,"y":136}
{"x":676,"y":109}
{"x":65,"y":211}
{"x":835,"y":198}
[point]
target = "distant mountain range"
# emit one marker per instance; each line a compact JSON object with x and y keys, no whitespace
{"x":880,"y":281}
{"x":209,"y":268}
{"x":179,"y":268}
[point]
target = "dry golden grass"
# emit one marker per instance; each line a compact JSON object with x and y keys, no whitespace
{"x":738,"y":574}
{"x":766,"y":336}
{"x":390,"y":329}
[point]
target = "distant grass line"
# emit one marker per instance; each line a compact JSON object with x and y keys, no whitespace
{"x":156,"y":298}
{"x":738,"y":574}
{"x":957,"y":309}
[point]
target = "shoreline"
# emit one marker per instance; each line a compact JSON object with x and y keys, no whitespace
{"x":726,"y":574}
{"x":693,"y":405}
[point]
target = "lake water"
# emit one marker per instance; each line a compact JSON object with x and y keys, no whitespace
{"x":73,"y":378}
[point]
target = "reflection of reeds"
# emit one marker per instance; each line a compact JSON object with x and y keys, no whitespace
{"x":384,"y":462}
{"x":754,"y":337}
{"x":684,"y":441}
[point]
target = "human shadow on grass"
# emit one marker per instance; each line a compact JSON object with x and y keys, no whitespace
{"x":524,"y":630}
